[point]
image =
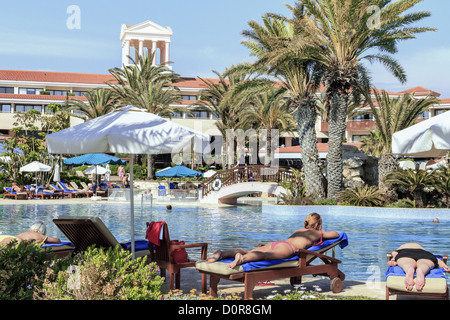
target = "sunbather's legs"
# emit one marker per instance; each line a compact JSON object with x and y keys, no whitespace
{"x":423,"y":266}
{"x":219,"y":255}
{"x":280,"y":251}
{"x":409,"y":266}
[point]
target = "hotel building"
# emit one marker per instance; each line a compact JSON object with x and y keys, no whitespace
{"x":22,"y":90}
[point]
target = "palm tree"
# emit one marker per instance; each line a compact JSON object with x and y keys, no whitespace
{"x":270,"y":110}
{"x":415,"y":182}
{"x":392,"y":115}
{"x":219,"y":98}
{"x":99,"y":102}
{"x":149,"y":87}
{"x":271,"y":44}
{"x":340,"y":35}
{"x":442,"y":182}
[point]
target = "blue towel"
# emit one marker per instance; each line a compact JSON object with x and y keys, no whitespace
{"x":433,"y":273}
{"x":139,"y":245}
{"x":268,"y":263}
{"x":66,"y":243}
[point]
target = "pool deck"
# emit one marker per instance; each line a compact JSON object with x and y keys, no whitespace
{"x":190,"y":277}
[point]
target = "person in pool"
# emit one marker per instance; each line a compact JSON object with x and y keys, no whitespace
{"x":311,"y":235}
{"x":35,"y":234}
{"x":413,"y":258}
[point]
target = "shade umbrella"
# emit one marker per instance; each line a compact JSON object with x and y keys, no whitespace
{"x":125,"y":130}
{"x":97,"y":170}
{"x":429,"y":138}
{"x":57,"y":176}
{"x":35,"y":166}
{"x":94,"y":158}
{"x":178,"y":171}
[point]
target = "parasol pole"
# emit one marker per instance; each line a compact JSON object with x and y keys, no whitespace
{"x":132,"y":206}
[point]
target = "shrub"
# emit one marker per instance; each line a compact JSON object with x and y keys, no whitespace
{"x":365,"y":196}
{"x":104,"y":275}
{"x":402,"y":203}
{"x":21,"y":268}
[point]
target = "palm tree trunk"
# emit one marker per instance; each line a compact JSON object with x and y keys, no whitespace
{"x":337,"y":126}
{"x":149,"y":167}
{"x":306,"y":116}
{"x":417,"y":194}
{"x":387,"y":164}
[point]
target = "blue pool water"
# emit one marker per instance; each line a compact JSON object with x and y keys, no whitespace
{"x":370,"y":237}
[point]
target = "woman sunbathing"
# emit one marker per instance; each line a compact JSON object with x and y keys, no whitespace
{"x":311,"y":235}
{"x":413,"y":258}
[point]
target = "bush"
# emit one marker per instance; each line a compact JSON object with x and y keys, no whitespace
{"x":22,"y":266}
{"x":104,"y":275}
{"x":366,"y":196}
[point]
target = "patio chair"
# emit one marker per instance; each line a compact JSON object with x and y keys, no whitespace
{"x":77,"y":192}
{"x":435,"y":282}
{"x":87,"y":191}
{"x":68,"y":193}
{"x":294,"y":268}
{"x":83,"y":232}
{"x":12,"y":194}
{"x":162,"y":252}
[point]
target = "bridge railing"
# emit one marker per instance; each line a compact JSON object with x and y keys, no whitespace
{"x":251,"y":173}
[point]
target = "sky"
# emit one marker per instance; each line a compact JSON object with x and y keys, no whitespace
{"x":207,"y":35}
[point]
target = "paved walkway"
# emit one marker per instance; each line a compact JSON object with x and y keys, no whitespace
{"x":190,"y":279}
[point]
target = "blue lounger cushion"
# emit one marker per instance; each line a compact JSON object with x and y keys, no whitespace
{"x":270,"y":263}
{"x":139,"y":245}
{"x":433,"y":273}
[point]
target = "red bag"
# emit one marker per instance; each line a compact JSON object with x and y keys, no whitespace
{"x":179,"y":255}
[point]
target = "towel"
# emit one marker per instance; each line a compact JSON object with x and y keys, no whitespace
{"x":139,"y":245}
{"x":63,"y":243}
{"x":154,"y":232}
{"x":433,"y":273}
{"x":268,"y":263}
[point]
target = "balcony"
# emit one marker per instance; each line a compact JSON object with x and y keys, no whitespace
{"x":353,"y":125}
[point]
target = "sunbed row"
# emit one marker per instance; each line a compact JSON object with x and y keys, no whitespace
{"x":57,"y":190}
{"x":171,"y":256}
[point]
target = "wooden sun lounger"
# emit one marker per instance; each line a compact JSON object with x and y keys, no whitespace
{"x":84,"y":232}
{"x":292,"y":269}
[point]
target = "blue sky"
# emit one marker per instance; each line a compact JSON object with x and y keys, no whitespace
{"x":207,"y":36}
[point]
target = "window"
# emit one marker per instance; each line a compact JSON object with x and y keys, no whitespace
{"x":199,"y":114}
{"x":425,"y":115}
{"x":6,"y":90}
{"x":26,"y":107}
{"x":363,"y":117}
{"x":79,"y":93}
{"x":57,"y":92}
{"x":30,"y":90}
{"x":188,"y":97}
{"x":5,"y":108}
{"x":176,"y":115}
{"x":357,"y":138}
{"x":440,"y":111}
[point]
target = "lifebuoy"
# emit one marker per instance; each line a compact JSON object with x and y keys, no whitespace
{"x":217,"y":184}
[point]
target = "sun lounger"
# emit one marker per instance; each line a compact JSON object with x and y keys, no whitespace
{"x":435,"y":282}
{"x":87,"y":191}
{"x":84,"y":232}
{"x":299,"y":265}
{"x":69,"y":193}
{"x":12,"y":194}
{"x":76,"y":192}
{"x":60,"y":250}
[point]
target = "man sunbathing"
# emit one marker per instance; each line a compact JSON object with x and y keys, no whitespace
{"x":35,"y":234}
{"x":413,"y":258}
{"x":311,"y":235}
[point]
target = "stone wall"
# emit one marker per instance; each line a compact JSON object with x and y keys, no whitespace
{"x":359,"y":169}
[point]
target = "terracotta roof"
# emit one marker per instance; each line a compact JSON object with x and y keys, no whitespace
{"x":51,"y":76}
{"x":421,"y":91}
{"x":321,"y":147}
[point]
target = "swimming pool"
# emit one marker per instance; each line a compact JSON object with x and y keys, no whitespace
{"x":370,"y":237}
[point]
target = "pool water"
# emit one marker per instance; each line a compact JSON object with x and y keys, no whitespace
{"x":246,"y":226}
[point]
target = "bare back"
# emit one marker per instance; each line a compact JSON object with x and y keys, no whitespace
{"x":305,"y":238}
{"x":33,"y":236}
